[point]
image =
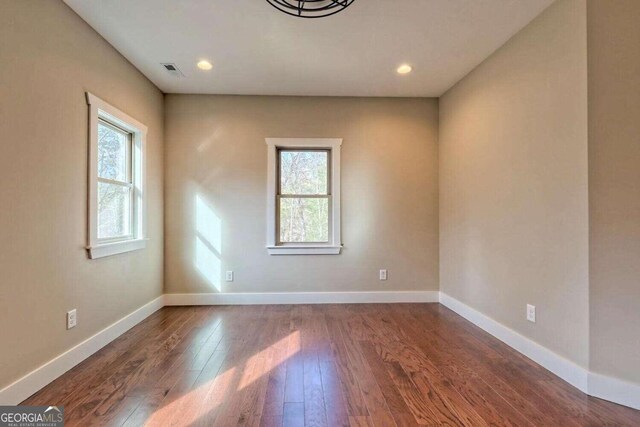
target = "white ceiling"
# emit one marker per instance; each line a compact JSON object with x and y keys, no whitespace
{"x":258,"y":50}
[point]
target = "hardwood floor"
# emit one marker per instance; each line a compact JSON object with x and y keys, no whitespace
{"x":318,"y":365}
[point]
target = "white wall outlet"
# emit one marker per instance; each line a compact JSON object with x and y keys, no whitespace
{"x":531,"y":313}
{"x":229,"y":276}
{"x":383,"y":274}
{"x":71,"y":319}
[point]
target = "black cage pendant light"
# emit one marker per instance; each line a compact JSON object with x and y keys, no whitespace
{"x":310,"y":8}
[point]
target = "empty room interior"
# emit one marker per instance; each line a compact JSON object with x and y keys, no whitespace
{"x":320,"y":213}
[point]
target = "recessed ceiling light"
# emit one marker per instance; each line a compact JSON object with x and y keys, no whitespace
{"x":404,"y":69}
{"x":205,"y":65}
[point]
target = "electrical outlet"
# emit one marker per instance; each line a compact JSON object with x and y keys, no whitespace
{"x":531,"y":313}
{"x":229,"y":276}
{"x":71,"y":319}
{"x":383,"y":274}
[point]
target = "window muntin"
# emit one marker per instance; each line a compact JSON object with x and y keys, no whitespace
{"x":115,"y":183}
{"x":304,"y":196}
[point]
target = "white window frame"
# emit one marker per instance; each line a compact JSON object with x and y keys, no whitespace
{"x":98,"y":248}
{"x":334,"y":245}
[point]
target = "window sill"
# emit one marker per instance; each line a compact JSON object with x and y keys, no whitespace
{"x":304,"y":250}
{"x":108,"y":249}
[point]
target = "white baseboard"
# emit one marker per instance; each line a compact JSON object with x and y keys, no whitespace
{"x":21,"y":389}
{"x":301,"y":298}
{"x":601,"y":386}
{"x":614,"y":390}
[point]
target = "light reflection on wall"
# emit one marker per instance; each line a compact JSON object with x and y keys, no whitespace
{"x":208,"y":243}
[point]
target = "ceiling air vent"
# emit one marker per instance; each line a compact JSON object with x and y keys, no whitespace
{"x":172,"y":69}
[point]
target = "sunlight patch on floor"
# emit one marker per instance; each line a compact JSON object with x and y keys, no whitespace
{"x":211,"y":394}
{"x":268,"y":359}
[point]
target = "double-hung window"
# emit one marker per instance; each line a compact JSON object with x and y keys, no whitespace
{"x":116,"y":208}
{"x":115,"y":183}
{"x":303,"y":196}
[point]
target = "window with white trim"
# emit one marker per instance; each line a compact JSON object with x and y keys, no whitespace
{"x":116,"y":197}
{"x":303,"y":196}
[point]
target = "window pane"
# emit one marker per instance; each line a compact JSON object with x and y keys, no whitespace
{"x":112,"y":153}
{"x":303,"y":172}
{"x":304,"y":220}
{"x":114,"y":211}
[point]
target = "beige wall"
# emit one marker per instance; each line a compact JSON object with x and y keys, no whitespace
{"x":614,"y":186}
{"x":513,"y":183}
{"x":50,"y":58}
{"x":216,"y":154}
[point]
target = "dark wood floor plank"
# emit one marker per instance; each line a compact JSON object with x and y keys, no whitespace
{"x":489,"y":404}
{"x":398,"y":407}
{"x":427,"y":408}
{"x":67,"y":388}
{"x":163,"y":373}
{"x":528,"y":377}
{"x":318,"y":365}
{"x":294,"y":380}
{"x":488,"y":366}
{"x":116,"y":416}
{"x":372,"y":395}
{"x":351,"y":391}
{"x":293,"y":414}
{"x":335,"y":403}
{"x":223,"y":401}
{"x":311,"y":348}
{"x":144,"y":365}
{"x":428,"y":378}
{"x":314,"y":407}
{"x":287,"y":346}
{"x":272,"y":343}
{"x":113,"y":390}
{"x":149,"y":404}
{"x":169,"y":410}
{"x":243,"y":401}
{"x":446,"y":401}
{"x":361,"y":421}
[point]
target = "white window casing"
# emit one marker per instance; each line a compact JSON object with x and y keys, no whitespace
{"x":96,"y":247}
{"x":334,"y":245}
